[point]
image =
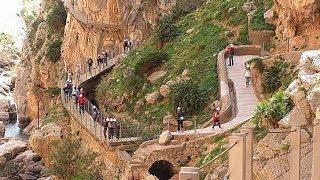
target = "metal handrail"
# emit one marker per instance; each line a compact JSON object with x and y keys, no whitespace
{"x":217,"y":157}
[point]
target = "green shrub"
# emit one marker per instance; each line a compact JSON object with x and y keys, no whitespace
{"x":258,"y":22}
{"x":56,"y":18}
{"x":244,"y":36}
{"x":166,"y":30}
{"x":280,"y":74}
{"x":189,"y":97}
{"x":149,"y":61}
{"x":269,"y":112}
{"x":53,"y":91}
{"x":53,"y":52}
{"x":184,"y":7}
{"x":69,"y":161}
{"x":258,"y":64}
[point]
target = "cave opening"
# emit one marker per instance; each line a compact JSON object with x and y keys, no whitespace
{"x":162,"y":169}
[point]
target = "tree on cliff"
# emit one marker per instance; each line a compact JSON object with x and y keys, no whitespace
{"x":70,"y":161}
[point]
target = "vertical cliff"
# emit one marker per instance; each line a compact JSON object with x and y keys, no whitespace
{"x":38,"y":73}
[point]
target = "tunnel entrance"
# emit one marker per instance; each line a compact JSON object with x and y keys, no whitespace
{"x":163,"y":170}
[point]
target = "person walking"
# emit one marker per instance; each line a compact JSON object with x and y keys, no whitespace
{"x":247,"y":75}
{"x":125,"y":46}
{"x":180,"y":118}
{"x":90,"y":63}
{"x":81,"y":102}
{"x":75,"y":96}
{"x":66,"y":91}
{"x":105,"y":125}
{"x":95,"y":114}
{"x":230,"y":51}
{"x":216,"y":118}
{"x":111,"y":128}
{"x":70,"y":88}
{"x":99,"y":62}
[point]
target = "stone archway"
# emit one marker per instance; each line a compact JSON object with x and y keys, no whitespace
{"x":162,"y":169}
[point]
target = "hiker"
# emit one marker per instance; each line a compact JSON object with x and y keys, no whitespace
{"x":70,"y":76}
{"x":99,"y":62}
{"x":90,"y":63}
{"x":116,"y":129}
{"x":125,"y":45}
{"x":81,"y":102}
{"x":180,"y":118}
{"x":69,"y":86}
{"x":95,"y":114}
{"x":105,"y":125}
{"x":247,"y":75}
{"x":106,"y":57}
{"x":215,"y":118}
{"x":230,"y":51}
{"x":66,"y":91}
{"x":75,"y":96}
{"x":111,"y":128}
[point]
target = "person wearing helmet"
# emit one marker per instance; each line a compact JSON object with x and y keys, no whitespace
{"x":180,"y":118}
{"x":95,"y":114}
{"x":215,"y":118}
{"x":81,"y":102}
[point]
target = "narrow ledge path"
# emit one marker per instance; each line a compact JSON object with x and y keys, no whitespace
{"x":246,"y":100}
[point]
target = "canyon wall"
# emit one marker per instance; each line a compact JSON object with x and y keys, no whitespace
{"x":298,"y":20}
{"x":92,"y":26}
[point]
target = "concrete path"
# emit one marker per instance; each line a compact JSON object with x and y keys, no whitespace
{"x":246,"y":100}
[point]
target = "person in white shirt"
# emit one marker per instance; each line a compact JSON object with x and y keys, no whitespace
{"x":247,"y":75}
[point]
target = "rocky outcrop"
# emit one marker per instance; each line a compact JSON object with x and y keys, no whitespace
{"x":17,"y":162}
{"x":40,"y":140}
{"x":296,"y":20}
{"x":165,"y":137}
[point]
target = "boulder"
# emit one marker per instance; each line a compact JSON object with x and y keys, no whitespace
{"x":156,"y":75}
{"x":189,"y":31}
{"x":298,"y":97}
{"x":165,"y":90}
{"x":4,"y":105}
{"x":165,"y":137}
{"x":138,"y":106}
{"x":152,"y":98}
{"x":305,"y":137}
{"x":314,"y":98}
{"x":169,"y":119}
{"x":170,"y":83}
{"x":151,"y":177}
{"x":41,"y":139}
{"x":12,"y":148}
{"x":27,"y":177}
{"x":269,"y":16}
{"x":3,"y":162}
{"x":26,"y":157}
{"x":2,"y":129}
{"x":271,"y":144}
{"x":128,"y":72}
{"x":248,"y":6}
{"x":5,"y":87}
{"x":296,"y":117}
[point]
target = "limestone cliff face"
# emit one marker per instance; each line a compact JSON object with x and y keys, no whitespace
{"x":36,"y":73}
{"x":299,"y":21}
{"x":99,"y":25}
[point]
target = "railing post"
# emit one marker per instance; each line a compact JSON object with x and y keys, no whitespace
{"x":248,"y":130}
{"x":294,"y":161}
{"x":195,"y":124}
{"x":237,"y":156}
{"x":316,"y":147}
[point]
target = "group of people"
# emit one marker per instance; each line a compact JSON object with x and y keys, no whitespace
{"x":102,"y":61}
{"x":247,"y":74}
{"x":181,"y":117}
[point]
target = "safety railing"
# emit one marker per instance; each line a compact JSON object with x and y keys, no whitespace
{"x":100,"y":125}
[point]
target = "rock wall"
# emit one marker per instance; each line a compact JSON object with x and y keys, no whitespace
{"x":36,"y":73}
{"x":299,"y":21}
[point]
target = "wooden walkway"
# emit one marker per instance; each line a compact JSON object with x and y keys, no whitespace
{"x":245,"y":100}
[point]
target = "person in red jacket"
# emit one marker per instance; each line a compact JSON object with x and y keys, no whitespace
{"x":230,"y":51}
{"x":81,"y":102}
{"x":215,"y":118}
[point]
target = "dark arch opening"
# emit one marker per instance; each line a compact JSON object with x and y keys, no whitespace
{"x":162,"y":169}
